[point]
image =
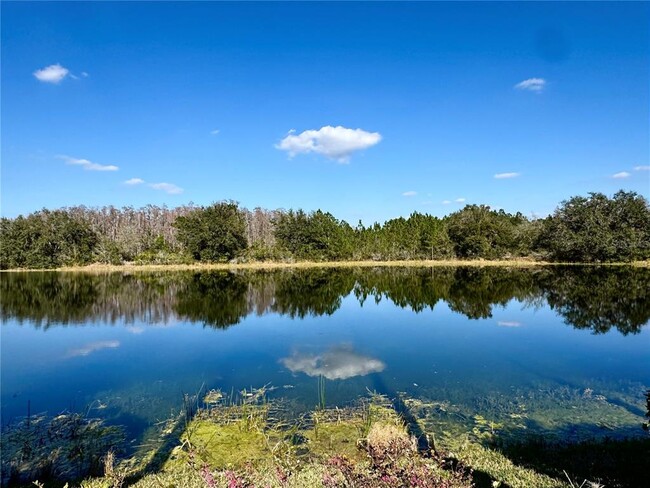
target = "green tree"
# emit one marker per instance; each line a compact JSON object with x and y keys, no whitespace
{"x":598,"y":229}
{"x":317,"y":236}
{"x":46,"y":239}
{"x":214,"y":233}
{"x":476,"y":231}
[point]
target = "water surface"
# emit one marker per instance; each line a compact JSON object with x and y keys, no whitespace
{"x":561,"y":352}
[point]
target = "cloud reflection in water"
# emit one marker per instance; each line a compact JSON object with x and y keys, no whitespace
{"x":92,"y":347}
{"x":337,"y":363}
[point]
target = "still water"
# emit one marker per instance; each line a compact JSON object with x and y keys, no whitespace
{"x":561,"y":352}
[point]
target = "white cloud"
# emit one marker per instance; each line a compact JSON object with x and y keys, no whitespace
{"x":92,"y":347}
{"x":167,"y":187}
{"x":446,"y":202}
{"x":51,"y":74}
{"x":503,"y":176}
{"x":532,"y":84}
{"x":134,"y":181}
{"x":459,"y":200}
{"x":336,"y":143}
{"x":84,"y":74}
{"x":88,"y":165}
{"x":338,"y":363}
{"x":215,"y":132}
{"x":410,"y":193}
{"x":642,"y":168}
{"x":621,"y":175}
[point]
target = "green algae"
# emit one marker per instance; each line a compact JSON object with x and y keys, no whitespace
{"x":231,"y":445}
{"x":335,"y":438}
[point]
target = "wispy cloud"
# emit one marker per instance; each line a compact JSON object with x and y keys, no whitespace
{"x":410,"y":193}
{"x":460,"y":200}
{"x":642,"y":168}
{"x":503,"y":176}
{"x":51,"y":74}
{"x":134,"y":181}
{"x":337,"y":143}
{"x":169,"y":188}
{"x":532,"y":84}
{"x":92,"y":347}
{"x":88,"y":165}
{"x":446,"y":202}
{"x":621,"y":175}
{"x":215,"y":132}
{"x":503,"y":323}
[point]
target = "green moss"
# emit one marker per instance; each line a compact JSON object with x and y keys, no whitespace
{"x":231,"y":445}
{"x":331,"y":438}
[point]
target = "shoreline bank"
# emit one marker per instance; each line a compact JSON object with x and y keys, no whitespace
{"x":266,"y":265}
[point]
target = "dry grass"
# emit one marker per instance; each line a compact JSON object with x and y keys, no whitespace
{"x":267,"y":265}
{"x":108,"y":268}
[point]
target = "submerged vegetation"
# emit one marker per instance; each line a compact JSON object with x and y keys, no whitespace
{"x":245,"y":439}
{"x":582,"y":229}
{"x":64,"y":448}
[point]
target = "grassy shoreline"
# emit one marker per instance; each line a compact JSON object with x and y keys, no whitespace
{"x":270,"y":265}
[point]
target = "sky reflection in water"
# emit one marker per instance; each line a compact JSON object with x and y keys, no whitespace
{"x":494,"y":342}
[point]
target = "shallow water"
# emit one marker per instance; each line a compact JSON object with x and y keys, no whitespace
{"x":562,"y":352}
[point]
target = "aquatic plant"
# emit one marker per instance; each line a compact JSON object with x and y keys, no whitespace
{"x":66,"y":447}
{"x":646,"y":425}
{"x":321,"y":392}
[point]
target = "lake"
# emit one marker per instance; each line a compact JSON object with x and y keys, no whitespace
{"x":562,"y":352}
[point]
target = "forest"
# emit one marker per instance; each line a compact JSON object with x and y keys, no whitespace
{"x":583,"y":229}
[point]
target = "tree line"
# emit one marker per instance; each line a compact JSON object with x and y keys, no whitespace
{"x":595,"y":228}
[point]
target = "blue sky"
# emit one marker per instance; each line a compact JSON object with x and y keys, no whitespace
{"x":367,"y":110}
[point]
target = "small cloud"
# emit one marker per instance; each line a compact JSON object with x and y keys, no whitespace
{"x":410,"y":193}
{"x":88,"y":165}
{"x":532,"y":84}
{"x":642,"y":168}
{"x":51,"y":74}
{"x":167,"y":187}
{"x":503,"y":176}
{"x":621,"y":175}
{"x":215,"y":132}
{"x":460,"y":200}
{"x":501,"y":323}
{"x":336,"y":143}
{"x":92,"y":347}
{"x":134,"y":181}
{"x":446,"y":202}
{"x":84,"y":74}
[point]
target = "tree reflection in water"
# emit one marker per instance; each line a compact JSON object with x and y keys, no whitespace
{"x":595,"y":298}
